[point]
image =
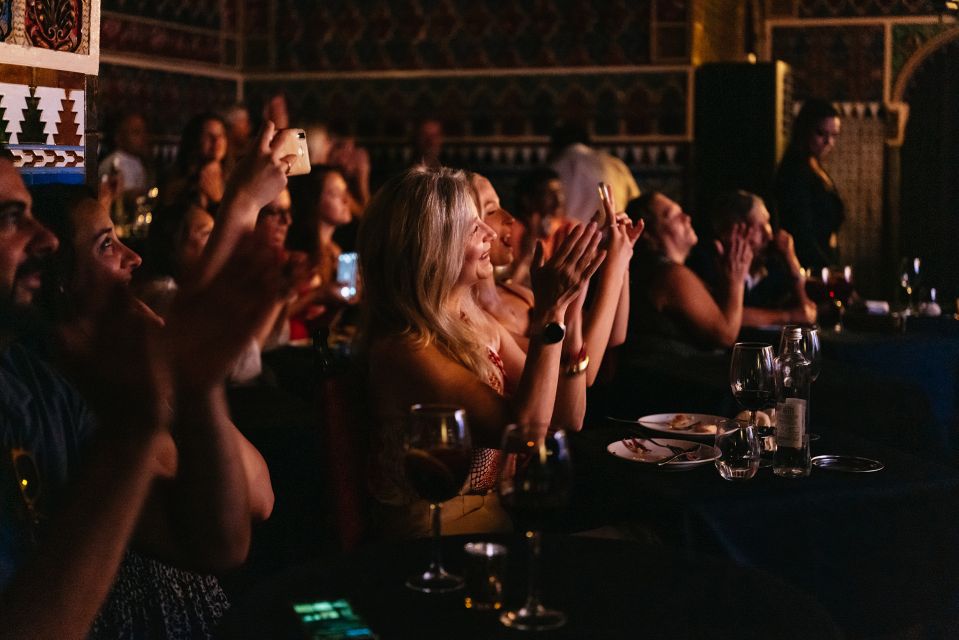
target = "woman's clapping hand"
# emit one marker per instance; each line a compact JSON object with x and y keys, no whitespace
{"x":558,"y":280}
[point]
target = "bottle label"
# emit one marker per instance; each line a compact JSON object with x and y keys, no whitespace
{"x":791,"y":423}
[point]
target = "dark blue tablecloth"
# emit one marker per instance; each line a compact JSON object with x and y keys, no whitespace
{"x":880,"y":550}
{"x":609,"y":589}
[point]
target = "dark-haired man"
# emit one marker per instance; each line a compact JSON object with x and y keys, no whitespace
{"x":73,"y":490}
{"x":775,"y":285}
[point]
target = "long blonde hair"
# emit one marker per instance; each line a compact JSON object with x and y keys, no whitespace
{"x":412,"y":247}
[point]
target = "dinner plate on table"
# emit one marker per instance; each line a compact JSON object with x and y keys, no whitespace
{"x":680,"y":425}
{"x":651,"y":452}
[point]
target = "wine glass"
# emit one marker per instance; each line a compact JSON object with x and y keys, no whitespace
{"x":437,"y":464}
{"x":534,"y":484}
{"x":752,"y":378}
{"x":809,"y":345}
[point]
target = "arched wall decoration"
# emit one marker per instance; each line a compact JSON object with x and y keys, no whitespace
{"x":898,"y":109}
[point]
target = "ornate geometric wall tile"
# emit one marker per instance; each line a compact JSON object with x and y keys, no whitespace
{"x":842,"y":63}
{"x":198,"y":13}
{"x":13,"y":100}
{"x":49,"y":105}
{"x":55,"y":24}
{"x":169,"y":41}
{"x":503,"y":107}
{"x":864,"y":8}
{"x":6,"y":18}
{"x":70,"y":121}
{"x":166,"y":99}
{"x":464,"y":34}
{"x":909,"y":38}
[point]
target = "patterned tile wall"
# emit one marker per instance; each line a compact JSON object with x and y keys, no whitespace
{"x":349,"y":35}
{"x":174,"y":29}
{"x":842,"y":63}
{"x":44,"y":128}
{"x":167,"y":99}
{"x":502,"y":107}
{"x":863,"y":8}
{"x":59,"y":25}
{"x":192,"y":13}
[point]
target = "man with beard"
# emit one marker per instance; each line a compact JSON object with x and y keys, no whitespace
{"x":71,"y":493}
{"x":54,"y":589}
{"x":775,"y":285}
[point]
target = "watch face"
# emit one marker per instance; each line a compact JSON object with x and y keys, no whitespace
{"x":553,"y":332}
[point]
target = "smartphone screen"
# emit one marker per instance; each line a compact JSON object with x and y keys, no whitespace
{"x":332,"y":620}
{"x":346,"y":270}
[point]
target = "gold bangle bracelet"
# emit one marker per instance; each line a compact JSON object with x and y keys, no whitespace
{"x":578,"y":367}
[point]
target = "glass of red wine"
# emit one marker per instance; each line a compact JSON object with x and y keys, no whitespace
{"x":534,"y":487}
{"x":437,"y":464}
{"x":752,"y":378}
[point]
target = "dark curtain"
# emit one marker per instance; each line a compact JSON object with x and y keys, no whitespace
{"x":930,"y":173}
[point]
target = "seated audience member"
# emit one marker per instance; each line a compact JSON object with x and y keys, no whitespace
{"x":187,"y":248}
{"x":239,"y":129}
{"x":127,"y":163}
{"x":200,"y":170}
{"x":428,"y":142}
{"x":423,"y":247}
{"x":321,"y":204}
{"x":188,"y":502}
{"x":672,"y":311}
{"x":581,"y":168}
{"x":178,"y":236}
{"x":272,"y":226}
{"x":775,"y":284}
{"x":510,"y":304}
{"x":541,"y":211}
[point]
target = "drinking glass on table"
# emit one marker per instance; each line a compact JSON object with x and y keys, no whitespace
{"x":437,"y":464}
{"x":739,"y":451}
{"x":534,"y":484}
{"x":752,"y":378}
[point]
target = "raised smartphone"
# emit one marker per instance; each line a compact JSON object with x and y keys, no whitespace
{"x":295,"y":145}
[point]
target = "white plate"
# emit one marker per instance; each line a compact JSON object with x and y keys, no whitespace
{"x":682,"y":421}
{"x":659,"y":451}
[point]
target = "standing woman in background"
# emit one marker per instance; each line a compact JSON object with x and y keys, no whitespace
{"x":806,"y":198}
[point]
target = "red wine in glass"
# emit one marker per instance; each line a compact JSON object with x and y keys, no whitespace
{"x":437,"y":474}
{"x":437,"y":462}
{"x":534,"y":486}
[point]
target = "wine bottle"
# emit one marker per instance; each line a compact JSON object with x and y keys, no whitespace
{"x":792,"y":446}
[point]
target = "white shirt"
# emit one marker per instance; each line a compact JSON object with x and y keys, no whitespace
{"x":131,"y":169}
{"x":581,"y":169}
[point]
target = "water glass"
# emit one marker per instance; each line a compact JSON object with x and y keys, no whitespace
{"x":739,"y":451}
{"x":484,"y":571}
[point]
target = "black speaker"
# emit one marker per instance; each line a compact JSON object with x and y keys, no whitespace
{"x":743,"y":115}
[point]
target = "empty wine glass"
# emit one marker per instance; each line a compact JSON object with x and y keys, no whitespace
{"x":534,"y":484}
{"x":437,"y":464}
{"x":752,"y":378}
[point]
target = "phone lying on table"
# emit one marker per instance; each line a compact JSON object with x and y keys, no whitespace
{"x":331,"y":620}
